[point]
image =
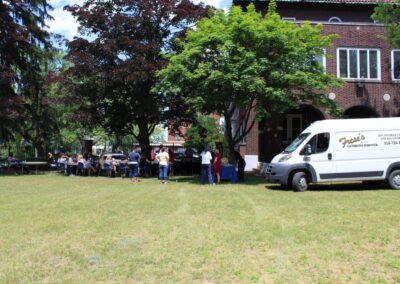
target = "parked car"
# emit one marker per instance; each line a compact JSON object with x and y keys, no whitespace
{"x":117,"y":156}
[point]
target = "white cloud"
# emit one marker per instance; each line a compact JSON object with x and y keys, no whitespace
{"x":224,"y":4}
{"x":63,"y":22}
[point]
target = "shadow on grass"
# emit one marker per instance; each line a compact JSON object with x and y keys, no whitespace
{"x":359,"y":186}
{"x":195,"y":179}
{"x":22,"y":174}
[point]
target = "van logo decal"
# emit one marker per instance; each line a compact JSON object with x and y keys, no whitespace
{"x":349,"y":141}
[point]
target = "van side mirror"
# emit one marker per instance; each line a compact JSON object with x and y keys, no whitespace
{"x":308,"y":149}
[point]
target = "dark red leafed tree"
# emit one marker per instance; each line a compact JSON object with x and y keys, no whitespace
{"x":115,"y":60}
{"x":22,"y":34}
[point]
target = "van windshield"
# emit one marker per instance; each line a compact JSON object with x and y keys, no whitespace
{"x":296,"y":142}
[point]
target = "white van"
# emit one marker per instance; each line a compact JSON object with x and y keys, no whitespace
{"x":340,"y":150}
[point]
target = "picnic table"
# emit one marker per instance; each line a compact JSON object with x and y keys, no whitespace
{"x":35,"y":164}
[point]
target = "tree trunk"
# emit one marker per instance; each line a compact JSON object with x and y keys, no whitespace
{"x":144,"y":138}
{"x":39,"y":143}
{"x":229,"y":137}
{"x":40,"y":149}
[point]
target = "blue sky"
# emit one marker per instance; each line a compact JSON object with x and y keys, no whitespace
{"x":65,"y":24}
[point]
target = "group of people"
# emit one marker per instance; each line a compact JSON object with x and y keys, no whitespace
{"x":71,"y":164}
{"x":163,"y":157}
{"x":210,"y":165}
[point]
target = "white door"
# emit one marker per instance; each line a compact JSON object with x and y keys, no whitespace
{"x":320,"y":155}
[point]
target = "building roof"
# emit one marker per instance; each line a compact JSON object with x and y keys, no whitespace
{"x":370,"y":2}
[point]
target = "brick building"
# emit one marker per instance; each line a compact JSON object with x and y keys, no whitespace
{"x":361,"y":56}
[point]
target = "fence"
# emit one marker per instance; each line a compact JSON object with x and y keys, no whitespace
{"x":20,"y":152}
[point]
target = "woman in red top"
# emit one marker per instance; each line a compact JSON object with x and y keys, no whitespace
{"x":217,"y":165}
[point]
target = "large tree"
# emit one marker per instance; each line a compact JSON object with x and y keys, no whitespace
{"x":39,"y":124}
{"x":116,"y":59}
{"x":203,"y":132}
{"x":22,"y":36}
{"x":389,"y":14}
{"x":242,"y":63}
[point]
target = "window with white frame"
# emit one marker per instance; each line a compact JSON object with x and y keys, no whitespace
{"x":396,"y":64}
{"x":322,"y":59}
{"x":358,"y":63}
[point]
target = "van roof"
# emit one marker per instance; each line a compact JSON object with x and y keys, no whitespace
{"x":360,"y":124}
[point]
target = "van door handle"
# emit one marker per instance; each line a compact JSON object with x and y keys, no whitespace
{"x":329,"y":156}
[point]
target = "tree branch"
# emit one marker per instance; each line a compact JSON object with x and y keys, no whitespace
{"x":246,"y":129}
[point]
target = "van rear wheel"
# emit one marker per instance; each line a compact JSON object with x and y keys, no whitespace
{"x":300,"y":182}
{"x":394,"y":179}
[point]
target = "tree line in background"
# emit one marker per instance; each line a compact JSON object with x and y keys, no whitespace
{"x":137,"y":64}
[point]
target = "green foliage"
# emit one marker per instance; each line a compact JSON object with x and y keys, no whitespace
{"x":240,"y":62}
{"x":203,"y":132}
{"x":116,"y":65}
{"x":40,"y":123}
{"x":69,"y":126}
{"x":158,"y":135}
{"x":23,"y":36}
{"x":389,"y":14}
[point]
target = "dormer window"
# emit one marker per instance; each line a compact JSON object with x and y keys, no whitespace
{"x":334,"y":20}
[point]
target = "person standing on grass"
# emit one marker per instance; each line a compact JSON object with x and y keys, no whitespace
{"x":241,"y":164}
{"x":163,"y":161}
{"x":133,"y":162}
{"x":206,"y":159}
{"x":217,"y":165}
{"x":100,"y":164}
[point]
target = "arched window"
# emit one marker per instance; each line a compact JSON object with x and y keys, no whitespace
{"x":334,"y":20}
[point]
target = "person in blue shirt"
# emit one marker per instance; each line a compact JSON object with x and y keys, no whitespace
{"x":133,"y":162}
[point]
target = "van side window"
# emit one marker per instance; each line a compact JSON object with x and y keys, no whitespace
{"x":319,"y":143}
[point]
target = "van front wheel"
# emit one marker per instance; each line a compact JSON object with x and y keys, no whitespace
{"x":300,"y":182}
{"x":394,"y":179}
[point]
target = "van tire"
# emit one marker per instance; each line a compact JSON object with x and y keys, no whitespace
{"x":394,"y":179}
{"x":300,"y":182}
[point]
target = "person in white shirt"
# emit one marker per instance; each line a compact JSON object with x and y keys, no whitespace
{"x":62,"y":163}
{"x":206,"y":159}
{"x":163,"y":159}
{"x":87,"y":164}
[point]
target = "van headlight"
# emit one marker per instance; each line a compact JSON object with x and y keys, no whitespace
{"x":285,"y":158}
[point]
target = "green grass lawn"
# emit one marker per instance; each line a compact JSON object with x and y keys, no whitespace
{"x":56,"y":229}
